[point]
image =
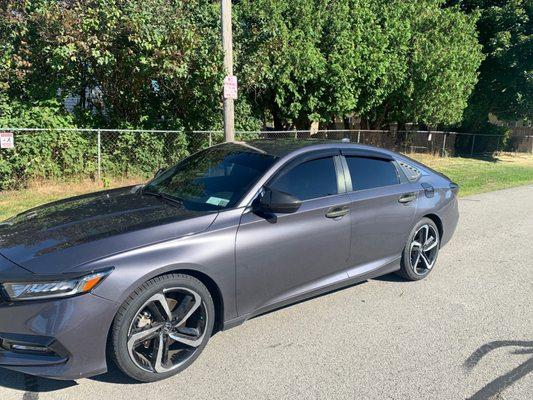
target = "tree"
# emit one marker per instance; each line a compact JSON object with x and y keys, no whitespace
{"x":365,"y":45}
{"x":155,"y":62}
{"x":277,"y":56}
{"x":311,"y":60}
{"x":442,"y":61}
{"x":24,"y":70}
{"x":505,"y":86}
{"x":158,"y":63}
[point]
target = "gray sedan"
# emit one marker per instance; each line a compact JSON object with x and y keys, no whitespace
{"x":143,"y":276}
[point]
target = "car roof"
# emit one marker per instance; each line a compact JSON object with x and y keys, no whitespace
{"x":282,"y":147}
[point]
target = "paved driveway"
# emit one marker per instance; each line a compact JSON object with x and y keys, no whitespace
{"x":465,"y":332}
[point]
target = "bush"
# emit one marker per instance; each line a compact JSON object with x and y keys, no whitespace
{"x":44,"y":154}
{"x":56,"y":154}
{"x":141,"y":153}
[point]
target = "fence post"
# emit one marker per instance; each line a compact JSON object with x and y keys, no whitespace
{"x":99,"y":152}
{"x":210,"y":139}
{"x":472,"y":148}
{"x":358,"y":136}
{"x":443,"y":151}
{"x":498,"y":145}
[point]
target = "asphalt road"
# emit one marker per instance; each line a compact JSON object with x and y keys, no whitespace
{"x":465,"y":332}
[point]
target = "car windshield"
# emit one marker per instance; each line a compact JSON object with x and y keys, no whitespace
{"x":212,"y":179}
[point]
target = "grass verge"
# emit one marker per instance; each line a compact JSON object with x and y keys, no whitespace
{"x":484,"y":175}
{"x":473,"y":175}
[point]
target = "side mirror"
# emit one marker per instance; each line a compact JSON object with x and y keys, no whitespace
{"x":159,"y":172}
{"x":274,"y":201}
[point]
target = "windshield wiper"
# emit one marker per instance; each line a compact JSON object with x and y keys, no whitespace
{"x":171,"y":199}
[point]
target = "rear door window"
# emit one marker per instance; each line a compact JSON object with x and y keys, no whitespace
{"x":369,"y":173}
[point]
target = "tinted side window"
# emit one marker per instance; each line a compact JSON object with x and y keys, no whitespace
{"x":309,"y":180}
{"x":368,"y":173}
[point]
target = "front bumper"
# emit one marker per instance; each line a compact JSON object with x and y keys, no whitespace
{"x":74,"y":329}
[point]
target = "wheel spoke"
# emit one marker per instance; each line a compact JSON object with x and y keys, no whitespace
{"x":430,"y":244}
{"x":188,"y":340}
{"x":157,"y":358}
{"x":426,"y":261}
{"x":146,"y":334}
{"x":426,"y":234}
{"x":187,"y":307}
{"x":417,"y":260}
{"x":160,"y":299}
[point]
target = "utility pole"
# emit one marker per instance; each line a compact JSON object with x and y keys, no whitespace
{"x":227,"y":44}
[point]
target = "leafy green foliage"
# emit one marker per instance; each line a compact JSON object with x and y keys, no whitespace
{"x":141,"y":153}
{"x":151,"y":64}
{"x":71,"y":153}
{"x":44,"y":154}
{"x":157,"y":64}
{"x":442,"y":59}
{"x":277,"y":56}
{"x":404,"y":61}
{"x":365,"y":44}
{"x":305,"y":61}
{"x":505,"y":86}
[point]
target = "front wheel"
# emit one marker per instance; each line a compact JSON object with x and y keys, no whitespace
{"x":421,"y":251}
{"x":162,"y":327}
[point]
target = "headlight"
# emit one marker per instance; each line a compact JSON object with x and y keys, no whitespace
{"x":47,"y":290}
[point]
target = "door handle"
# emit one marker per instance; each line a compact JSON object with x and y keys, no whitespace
{"x":407,"y":197}
{"x":337,"y":212}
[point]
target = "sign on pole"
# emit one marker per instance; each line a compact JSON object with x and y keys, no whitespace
{"x":230,"y":87}
{"x":6,"y":140}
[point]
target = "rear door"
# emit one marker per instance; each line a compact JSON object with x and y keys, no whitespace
{"x":291,"y":254}
{"x":382,"y":206}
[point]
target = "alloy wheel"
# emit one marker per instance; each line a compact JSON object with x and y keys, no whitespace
{"x":167,"y":330}
{"x":424,"y":249}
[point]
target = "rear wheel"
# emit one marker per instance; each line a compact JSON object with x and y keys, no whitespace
{"x":421,"y":251}
{"x":162,"y":327}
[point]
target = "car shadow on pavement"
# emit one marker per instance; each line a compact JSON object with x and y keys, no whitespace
{"x":495,"y":387}
{"x":393,"y":277}
{"x":31,"y":385}
{"x":114,"y":375}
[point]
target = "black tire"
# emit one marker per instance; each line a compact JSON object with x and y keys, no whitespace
{"x":413,"y":273}
{"x":131,"y":312}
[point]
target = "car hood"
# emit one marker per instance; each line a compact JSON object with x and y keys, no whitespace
{"x":62,"y":235}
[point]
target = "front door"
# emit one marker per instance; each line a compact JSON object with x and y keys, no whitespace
{"x":291,"y":254}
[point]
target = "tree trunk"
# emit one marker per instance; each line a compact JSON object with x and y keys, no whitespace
{"x":276,"y":116}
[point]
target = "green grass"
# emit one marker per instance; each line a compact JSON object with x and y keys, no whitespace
{"x":473,"y":175}
{"x":484,"y":175}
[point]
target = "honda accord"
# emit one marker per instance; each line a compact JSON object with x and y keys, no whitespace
{"x":142,"y":276}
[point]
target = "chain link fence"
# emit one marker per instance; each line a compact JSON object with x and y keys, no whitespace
{"x":99,"y":154}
